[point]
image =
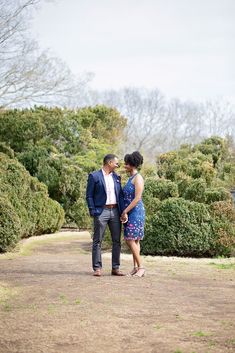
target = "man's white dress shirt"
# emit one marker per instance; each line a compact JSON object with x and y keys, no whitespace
{"x":109,"y":183}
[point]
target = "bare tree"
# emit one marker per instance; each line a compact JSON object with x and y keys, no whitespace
{"x":144,"y":110}
{"x":156,"y":125}
{"x":28,"y":76}
{"x":219,"y":118}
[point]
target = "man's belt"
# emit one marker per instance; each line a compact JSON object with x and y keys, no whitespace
{"x":111,"y":206}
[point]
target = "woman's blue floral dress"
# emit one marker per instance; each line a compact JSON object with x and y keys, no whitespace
{"x":134,"y":228}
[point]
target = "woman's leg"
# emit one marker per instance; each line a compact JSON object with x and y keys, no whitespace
{"x":135,"y":268}
{"x":135,"y":252}
{"x":141,"y":270}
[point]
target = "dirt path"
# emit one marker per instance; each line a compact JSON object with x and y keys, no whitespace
{"x":50,"y":303}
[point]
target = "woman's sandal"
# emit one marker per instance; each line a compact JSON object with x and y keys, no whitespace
{"x":134,"y":271}
{"x":140,"y":272}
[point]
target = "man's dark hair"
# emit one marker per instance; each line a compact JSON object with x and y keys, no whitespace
{"x":134,"y":159}
{"x":109,"y":157}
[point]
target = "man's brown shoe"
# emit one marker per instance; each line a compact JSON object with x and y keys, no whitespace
{"x":116,"y":272}
{"x":97,"y":273}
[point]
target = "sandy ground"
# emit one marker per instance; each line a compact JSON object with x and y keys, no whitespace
{"x":50,"y":302}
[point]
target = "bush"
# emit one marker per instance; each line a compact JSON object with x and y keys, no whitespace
{"x":223,"y":213}
{"x":183,"y":181}
{"x":4,"y":148}
{"x":78,"y":214}
{"x":217,"y":194}
{"x":181,"y":227}
{"x":60,"y":147}
{"x":160,"y":188}
{"x":10,"y":225}
{"x":28,"y":210}
{"x":196,"y":190}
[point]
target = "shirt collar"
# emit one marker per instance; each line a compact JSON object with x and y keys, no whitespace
{"x":104,"y":173}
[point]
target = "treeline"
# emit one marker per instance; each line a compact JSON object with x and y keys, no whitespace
{"x":156,"y":124}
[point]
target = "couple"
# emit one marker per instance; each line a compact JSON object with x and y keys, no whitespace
{"x":110,"y":204}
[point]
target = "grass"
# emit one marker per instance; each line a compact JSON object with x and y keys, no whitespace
{"x":26,"y":249}
{"x":6,"y":293}
{"x":227,"y":323}
{"x":211,"y":343}
{"x":201,"y":334}
{"x":230,"y":266}
{"x":231,"y":341}
{"x":51,"y":308}
{"x":63,"y":299}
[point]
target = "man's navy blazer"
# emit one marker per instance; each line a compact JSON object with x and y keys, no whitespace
{"x":96,"y":195}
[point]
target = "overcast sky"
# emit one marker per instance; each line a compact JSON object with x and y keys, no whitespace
{"x":186,"y":48}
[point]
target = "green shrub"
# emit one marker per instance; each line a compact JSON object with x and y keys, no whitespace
{"x":180,"y":227}
{"x":217,"y":194}
{"x":78,"y":214}
{"x":183,"y":181}
{"x":4,"y":148}
{"x":223,"y":213}
{"x":196,"y":190}
{"x":160,"y":188}
{"x":32,"y":211}
{"x":151,"y":204}
{"x":10,"y":225}
{"x":61,"y":146}
{"x":214,"y":146}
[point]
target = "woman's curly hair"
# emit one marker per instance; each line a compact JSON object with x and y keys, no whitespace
{"x":134,"y":159}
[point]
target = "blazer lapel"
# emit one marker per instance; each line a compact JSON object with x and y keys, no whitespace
{"x":102,"y":179}
{"x":115,"y":179}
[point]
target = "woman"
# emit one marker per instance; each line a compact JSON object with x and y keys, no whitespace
{"x":134,"y":209}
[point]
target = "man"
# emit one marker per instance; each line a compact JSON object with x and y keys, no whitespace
{"x":105,"y":202}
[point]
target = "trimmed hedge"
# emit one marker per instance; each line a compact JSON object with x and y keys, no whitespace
{"x":184,"y":228}
{"x":25,"y":207}
{"x":10,"y":225}
{"x":160,"y":188}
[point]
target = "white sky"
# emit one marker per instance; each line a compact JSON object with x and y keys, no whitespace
{"x":186,"y":48}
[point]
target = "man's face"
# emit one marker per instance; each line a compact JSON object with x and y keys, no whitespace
{"x":113,"y":164}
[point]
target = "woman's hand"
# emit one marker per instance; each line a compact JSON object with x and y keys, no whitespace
{"x":124,"y":217}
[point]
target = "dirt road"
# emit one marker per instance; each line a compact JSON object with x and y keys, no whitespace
{"x":50,"y":302}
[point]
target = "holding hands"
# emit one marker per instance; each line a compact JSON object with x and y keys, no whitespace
{"x":124,"y":217}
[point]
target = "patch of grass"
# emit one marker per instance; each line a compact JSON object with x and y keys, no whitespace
{"x":201,"y":334}
{"x":178,"y":351}
{"x":211,"y":343}
{"x":6,"y":293}
{"x":230,"y":266}
{"x":63,"y":299}
{"x":51,"y":308}
{"x":32,"y":307}
{"x":231,"y":341}
{"x":7,"y":307}
{"x":26,"y":249}
{"x":227,"y":323}
{"x":157,"y":327}
{"x":77,"y":301}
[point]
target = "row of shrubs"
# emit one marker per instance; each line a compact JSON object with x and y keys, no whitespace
{"x":25,"y":207}
{"x":187,"y":228}
{"x":190,"y":211}
{"x":187,"y":199}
